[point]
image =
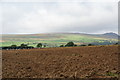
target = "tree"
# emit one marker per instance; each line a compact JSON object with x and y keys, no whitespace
{"x":61,"y":45}
{"x":39,"y":45}
{"x":75,"y":45}
{"x":69,"y":44}
{"x":23,"y":45}
{"x":44,"y":46}
{"x":90,"y":44}
{"x":14,"y":46}
{"x":116,"y":43}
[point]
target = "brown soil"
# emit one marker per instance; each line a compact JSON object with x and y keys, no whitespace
{"x":77,"y":62}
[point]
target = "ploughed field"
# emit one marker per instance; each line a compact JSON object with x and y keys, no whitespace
{"x":64,"y":62}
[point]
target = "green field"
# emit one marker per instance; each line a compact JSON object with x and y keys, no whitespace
{"x":53,"y":39}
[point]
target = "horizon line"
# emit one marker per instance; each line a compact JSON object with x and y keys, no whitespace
{"x":53,"y":33}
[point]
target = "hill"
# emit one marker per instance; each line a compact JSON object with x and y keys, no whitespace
{"x":56,"y":39}
{"x":111,"y":35}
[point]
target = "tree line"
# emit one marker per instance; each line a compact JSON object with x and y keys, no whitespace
{"x":71,"y":44}
{"x":40,"y":45}
{"x":23,"y":46}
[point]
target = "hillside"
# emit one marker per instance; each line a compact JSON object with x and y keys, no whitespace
{"x":56,"y":39}
{"x":68,"y":62}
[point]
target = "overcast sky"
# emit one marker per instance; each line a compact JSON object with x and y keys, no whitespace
{"x":43,"y":16}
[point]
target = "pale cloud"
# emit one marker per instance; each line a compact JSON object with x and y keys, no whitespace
{"x":57,"y":16}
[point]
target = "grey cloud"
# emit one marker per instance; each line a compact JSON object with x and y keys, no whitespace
{"x":89,"y":17}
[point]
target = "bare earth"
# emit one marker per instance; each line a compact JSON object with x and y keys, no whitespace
{"x":77,"y":62}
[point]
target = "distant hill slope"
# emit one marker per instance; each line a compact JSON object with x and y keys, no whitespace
{"x":110,"y":35}
{"x":56,"y":39}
